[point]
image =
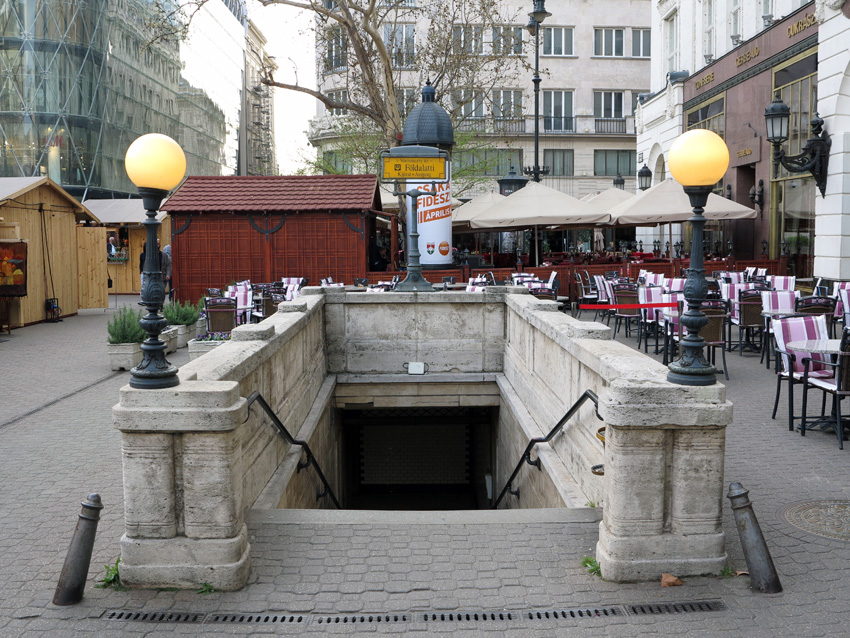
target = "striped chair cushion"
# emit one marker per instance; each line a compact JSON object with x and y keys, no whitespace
{"x":838,"y":286}
{"x":677,"y":284}
{"x":779,"y":300}
{"x":601,"y":288}
{"x":782,"y":283}
{"x":651,"y":294}
{"x":802,"y":329}
{"x":473,"y":288}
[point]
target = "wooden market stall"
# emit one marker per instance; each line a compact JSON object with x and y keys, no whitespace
{"x":40,"y":278}
{"x":227,"y":229}
{"x":123,"y":219}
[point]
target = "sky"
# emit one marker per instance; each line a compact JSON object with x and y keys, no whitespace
{"x":292,"y":45}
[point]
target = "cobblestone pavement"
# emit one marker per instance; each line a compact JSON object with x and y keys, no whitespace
{"x":57,"y":445}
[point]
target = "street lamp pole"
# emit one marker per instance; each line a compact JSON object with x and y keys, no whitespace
{"x":155,"y":163}
{"x":536,"y":18}
{"x":697,"y":160}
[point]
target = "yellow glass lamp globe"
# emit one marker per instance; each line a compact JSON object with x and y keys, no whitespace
{"x":155,"y":161}
{"x":698,"y":158}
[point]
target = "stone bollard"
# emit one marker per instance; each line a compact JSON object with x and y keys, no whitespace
{"x":72,"y":581}
{"x":763,"y":576}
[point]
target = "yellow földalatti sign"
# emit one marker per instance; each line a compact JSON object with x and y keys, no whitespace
{"x":414,"y":168}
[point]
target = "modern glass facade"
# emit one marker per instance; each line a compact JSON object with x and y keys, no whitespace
{"x":79,"y":81}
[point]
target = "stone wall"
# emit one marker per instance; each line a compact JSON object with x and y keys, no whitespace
{"x":196,"y":457}
{"x":663,"y":483}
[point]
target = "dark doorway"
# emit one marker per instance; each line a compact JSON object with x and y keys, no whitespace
{"x":416,"y":458}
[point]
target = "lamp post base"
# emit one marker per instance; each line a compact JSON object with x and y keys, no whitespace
{"x":414,"y":282}
{"x":682,"y":375}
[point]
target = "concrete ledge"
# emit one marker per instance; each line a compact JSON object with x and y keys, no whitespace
{"x":185,"y":563}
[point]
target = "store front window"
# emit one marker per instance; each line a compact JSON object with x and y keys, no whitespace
{"x":793,"y":194}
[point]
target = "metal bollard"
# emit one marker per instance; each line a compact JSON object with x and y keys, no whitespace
{"x":763,"y":576}
{"x":72,"y":581}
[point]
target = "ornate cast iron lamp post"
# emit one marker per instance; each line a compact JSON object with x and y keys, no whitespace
{"x":155,"y":163}
{"x":536,"y":18}
{"x":697,"y":159}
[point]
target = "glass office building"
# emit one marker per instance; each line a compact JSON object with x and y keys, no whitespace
{"x":79,"y":81}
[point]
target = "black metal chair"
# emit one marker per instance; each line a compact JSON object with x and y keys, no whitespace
{"x":838,"y":386}
{"x":221,"y":313}
{"x":820,"y":305}
{"x":625,"y":294}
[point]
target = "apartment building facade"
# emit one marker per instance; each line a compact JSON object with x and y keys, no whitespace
{"x":594,"y":60}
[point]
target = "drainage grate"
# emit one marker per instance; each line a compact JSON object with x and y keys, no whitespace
{"x":153,"y":616}
{"x":676,"y":608}
{"x":568,"y":614}
{"x":258,"y":619}
{"x":469,"y":616}
{"x":361,"y":619}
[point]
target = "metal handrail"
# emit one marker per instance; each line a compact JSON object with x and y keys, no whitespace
{"x":526,"y":456}
{"x":311,"y":460}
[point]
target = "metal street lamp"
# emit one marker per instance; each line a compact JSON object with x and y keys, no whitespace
{"x":619,"y":182}
{"x":536,"y":18}
{"x":815,"y":156}
{"x":155,"y":163}
{"x":697,"y":159}
{"x":644,"y":178}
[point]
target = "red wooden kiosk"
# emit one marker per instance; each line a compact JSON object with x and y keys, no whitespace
{"x":227,"y":229}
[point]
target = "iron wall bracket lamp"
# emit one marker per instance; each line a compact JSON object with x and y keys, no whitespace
{"x":757,"y":196}
{"x":813,"y":159}
{"x":644,"y":178}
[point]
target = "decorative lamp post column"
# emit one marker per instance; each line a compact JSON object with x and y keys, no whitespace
{"x":536,"y":18}
{"x":155,"y":163}
{"x":697,"y":159}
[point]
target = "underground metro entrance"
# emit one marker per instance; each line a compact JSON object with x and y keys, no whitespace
{"x":417,"y":458}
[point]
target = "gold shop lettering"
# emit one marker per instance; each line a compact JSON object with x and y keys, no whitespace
{"x":744,"y":152}
{"x":801,"y":25}
{"x":704,"y":80}
{"x":746,"y":57}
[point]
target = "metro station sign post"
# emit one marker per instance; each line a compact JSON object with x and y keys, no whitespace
{"x":419,"y":163}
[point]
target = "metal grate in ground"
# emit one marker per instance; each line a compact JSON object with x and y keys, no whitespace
{"x":676,"y":608}
{"x":153,"y":616}
{"x":430,"y":617}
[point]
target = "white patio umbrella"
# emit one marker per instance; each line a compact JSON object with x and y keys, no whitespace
{"x":607,"y":199}
{"x":537,"y":205}
{"x":462,"y":215}
{"x":667,"y":202}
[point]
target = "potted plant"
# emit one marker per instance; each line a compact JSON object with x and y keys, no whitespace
{"x":125,"y":339}
{"x":185,"y":317}
{"x":203,"y":344}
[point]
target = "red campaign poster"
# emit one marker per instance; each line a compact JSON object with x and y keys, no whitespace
{"x":13,"y":269}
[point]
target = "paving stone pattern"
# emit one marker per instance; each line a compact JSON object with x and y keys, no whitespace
{"x":57,"y":445}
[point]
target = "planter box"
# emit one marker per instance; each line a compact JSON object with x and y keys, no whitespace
{"x":198,"y":348}
{"x":169,"y":337}
{"x":185,"y":334}
{"x":124,"y":356}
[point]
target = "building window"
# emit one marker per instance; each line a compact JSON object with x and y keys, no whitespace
{"x":635,"y":95}
{"x":608,"y":42}
{"x":494,"y":162}
{"x":400,"y":39}
{"x":558,"y":111}
{"x":559,"y":161}
{"x":335,"y":54}
{"x":608,"y":104}
{"x":507,"y":104}
{"x":333,"y":164}
{"x":467,"y":40}
{"x":612,"y":163}
{"x":708,"y":27}
{"x":671,"y":38}
{"x":406,"y":100}
{"x":735,"y":19}
{"x":507,"y":40}
{"x":641,"y":43}
{"x":711,"y":116}
{"x":338,"y":96}
{"x":557,"y":41}
{"x":469,"y":103}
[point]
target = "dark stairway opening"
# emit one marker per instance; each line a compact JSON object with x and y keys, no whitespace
{"x":416,"y":458}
